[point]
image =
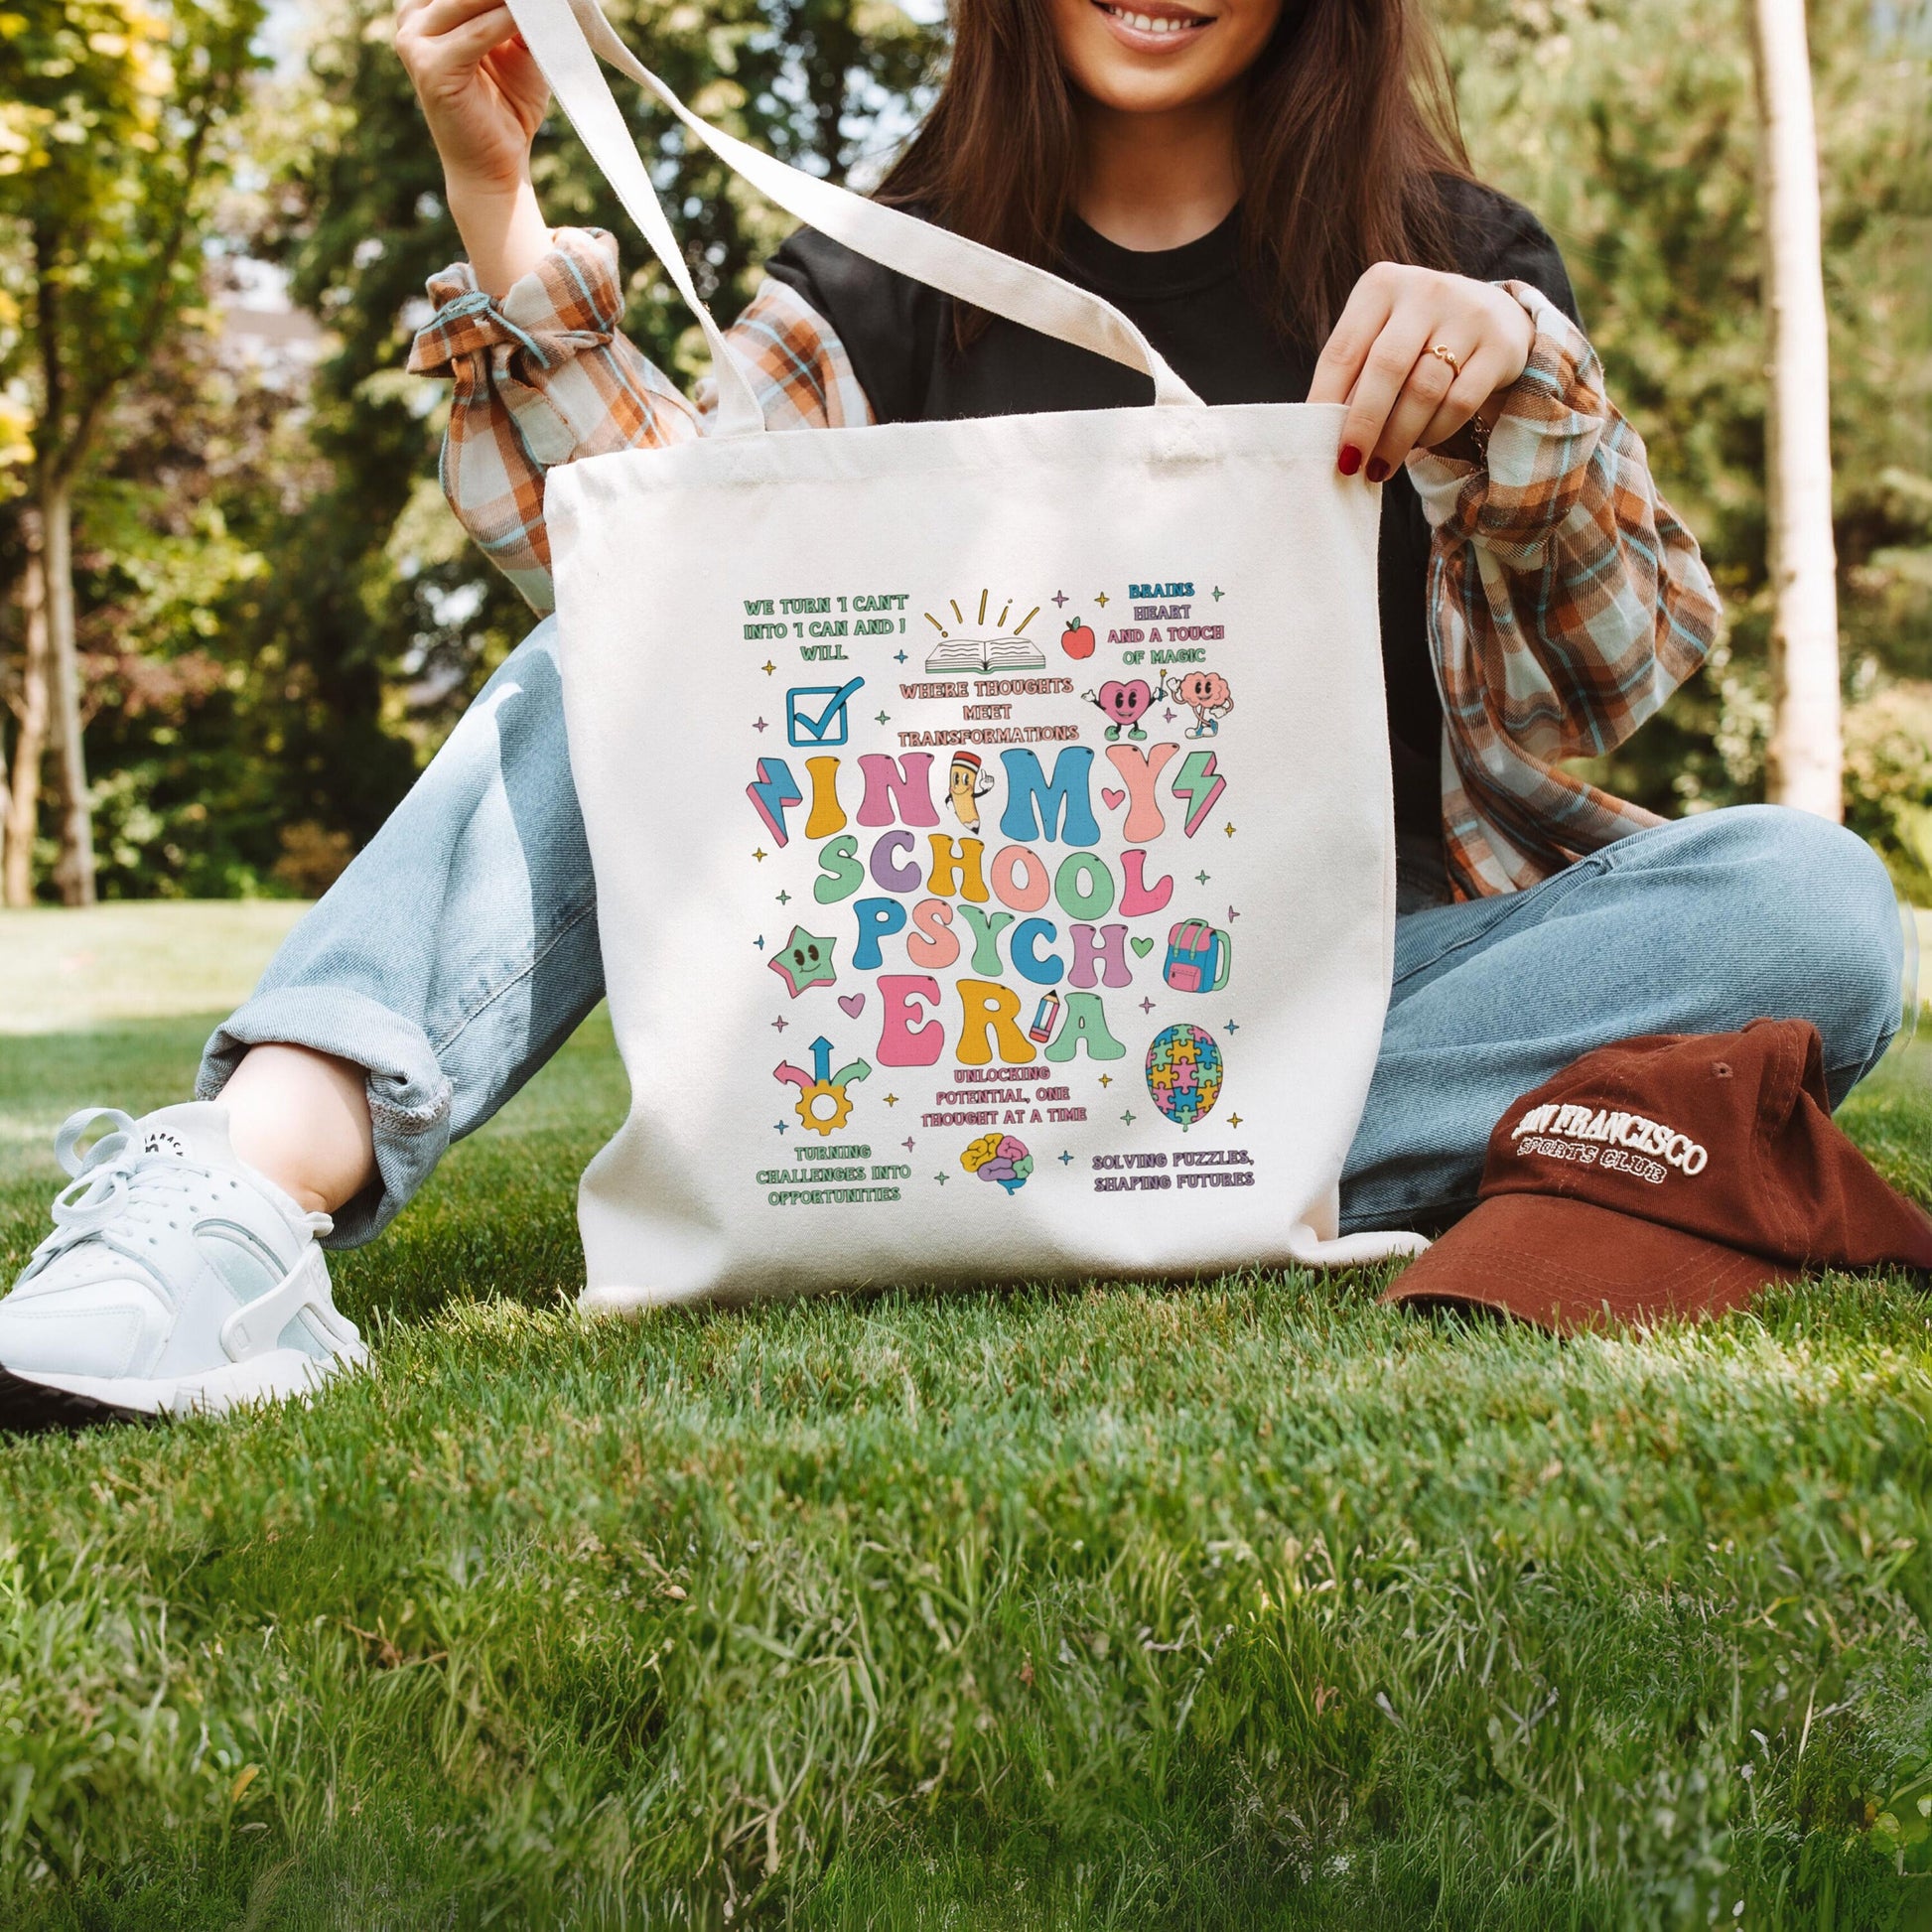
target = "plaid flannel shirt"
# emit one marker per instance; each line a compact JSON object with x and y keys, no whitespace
{"x":1565,"y":601}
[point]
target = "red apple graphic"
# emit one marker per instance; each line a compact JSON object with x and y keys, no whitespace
{"x":1077,"y":639}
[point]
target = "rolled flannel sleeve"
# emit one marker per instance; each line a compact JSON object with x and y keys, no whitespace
{"x":539,"y":376}
{"x":1567,"y":602}
{"x":546,"y":375}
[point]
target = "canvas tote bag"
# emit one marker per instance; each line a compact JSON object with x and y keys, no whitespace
{"x":991,"y":820}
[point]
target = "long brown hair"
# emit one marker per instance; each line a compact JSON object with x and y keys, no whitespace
{"x":1347,"y":127}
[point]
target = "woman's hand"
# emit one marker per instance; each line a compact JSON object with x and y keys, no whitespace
{"x":1399,"y":397}
{"x":485,"y":98}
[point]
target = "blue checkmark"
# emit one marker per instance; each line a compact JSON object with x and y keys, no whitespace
{"x":823,"y":722}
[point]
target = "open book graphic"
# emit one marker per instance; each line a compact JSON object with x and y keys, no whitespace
{"x":984,"y":654}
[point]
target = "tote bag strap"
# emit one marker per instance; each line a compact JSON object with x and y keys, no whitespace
{"x":566,"y":37}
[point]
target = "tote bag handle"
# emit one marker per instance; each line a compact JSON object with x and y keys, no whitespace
{"x":566,"y":37}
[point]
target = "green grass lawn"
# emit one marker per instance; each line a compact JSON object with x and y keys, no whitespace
{"x":1239,"y":1603}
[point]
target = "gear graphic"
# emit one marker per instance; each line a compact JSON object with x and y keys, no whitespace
{"x":808,"y":1099}
{"x":821,"y":1088}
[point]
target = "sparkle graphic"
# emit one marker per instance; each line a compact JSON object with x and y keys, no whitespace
{"x":784,"y":898}
{"x":760,"y":725}
{"x":1234,"y":1120}
{"x":1146,"y":1006}
{"x":1203,"y":876}
{"x":1232,"y":916}
{"x":780,"y":1023}
{"x":892,"y":1100}
{"x":1128,"y":1115}
{"x":1168,"y":715}
{"x":907,"y":1144}
{"x":1106,"y":1080}
{"x":767,"y":667}
{"x":778,"y":1127}
{"x":898,"y":657}
{"x":761,"y":855}
{"x":1059,"y":599}
{"x":882,"y":716}
{"x":943,"y":1177}
{"x":1233,"y":1027}
{"x":1228,"y":829}
{"x":758,"y":942}
{"x":1218,"y":593}
{"x":1100,"y":598}
{"x":1066,"y":1160}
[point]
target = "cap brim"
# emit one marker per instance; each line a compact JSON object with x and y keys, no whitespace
{"x":1568,"y":1264}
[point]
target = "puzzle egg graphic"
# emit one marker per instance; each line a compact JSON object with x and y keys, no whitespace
{"x":1183,"y":1073}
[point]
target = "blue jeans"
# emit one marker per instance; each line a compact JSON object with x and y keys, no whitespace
{"x":459,"y":950}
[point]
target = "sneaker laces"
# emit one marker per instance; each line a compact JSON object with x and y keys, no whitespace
{"x":114,"y":1180}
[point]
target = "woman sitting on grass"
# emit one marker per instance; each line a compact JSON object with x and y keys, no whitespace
{"x":1278,"y":197}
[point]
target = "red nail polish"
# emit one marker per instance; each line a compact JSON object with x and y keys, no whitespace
{"x":1349,"y":461}
{"x":1378,"y":471}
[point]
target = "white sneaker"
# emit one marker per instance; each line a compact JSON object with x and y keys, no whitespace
{"x":175,"y":1279}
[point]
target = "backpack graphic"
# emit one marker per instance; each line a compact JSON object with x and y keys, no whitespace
{"x":1198,"y":957}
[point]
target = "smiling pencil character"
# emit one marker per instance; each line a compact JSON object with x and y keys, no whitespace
{"x":966,"y":785}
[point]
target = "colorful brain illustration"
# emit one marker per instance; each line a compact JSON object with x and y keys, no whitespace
{"x":1183,"y":1073}
{"x":999,"y":1158}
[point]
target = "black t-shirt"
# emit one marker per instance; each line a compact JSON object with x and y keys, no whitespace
{"x":1191,"y":303}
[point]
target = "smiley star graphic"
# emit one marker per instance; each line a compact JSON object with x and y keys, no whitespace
{"x":804,"y":960}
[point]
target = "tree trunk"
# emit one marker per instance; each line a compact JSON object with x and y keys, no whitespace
{"x":23,"y":804}
{"x":75,"y":871}
{"x":6,"y":788}
{"x":1806,"y":765}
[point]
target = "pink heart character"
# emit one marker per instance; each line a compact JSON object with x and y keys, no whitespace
{"x":852,"y":1004}
{"x":1123,"y":703}
{"x":1113,"y":800}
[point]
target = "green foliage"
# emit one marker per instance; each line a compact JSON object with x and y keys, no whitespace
{"x":167,"y":550}
{"x":112,"y":119}
{"x":1249,"y":1602}
{"x":106,"y":111}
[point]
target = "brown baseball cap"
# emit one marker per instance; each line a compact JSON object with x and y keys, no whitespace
{"x":1671,"y":1175}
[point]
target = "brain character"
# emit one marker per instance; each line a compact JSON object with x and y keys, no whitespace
{"x":1206,"y":695}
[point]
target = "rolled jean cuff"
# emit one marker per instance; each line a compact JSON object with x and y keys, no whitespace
{"x":409,"y":1094}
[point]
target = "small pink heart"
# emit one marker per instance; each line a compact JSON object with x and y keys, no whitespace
{"x":1113,"y":800}
{"x":852,"y":1004}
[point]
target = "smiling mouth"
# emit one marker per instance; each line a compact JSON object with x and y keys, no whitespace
{"x":1163,"y":21}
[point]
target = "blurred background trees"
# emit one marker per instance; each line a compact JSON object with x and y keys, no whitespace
{"x":112,"y":123}
{"x":276,"y":619}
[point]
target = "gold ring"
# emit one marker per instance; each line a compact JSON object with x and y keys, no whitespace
{"x":1449,"y":355}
